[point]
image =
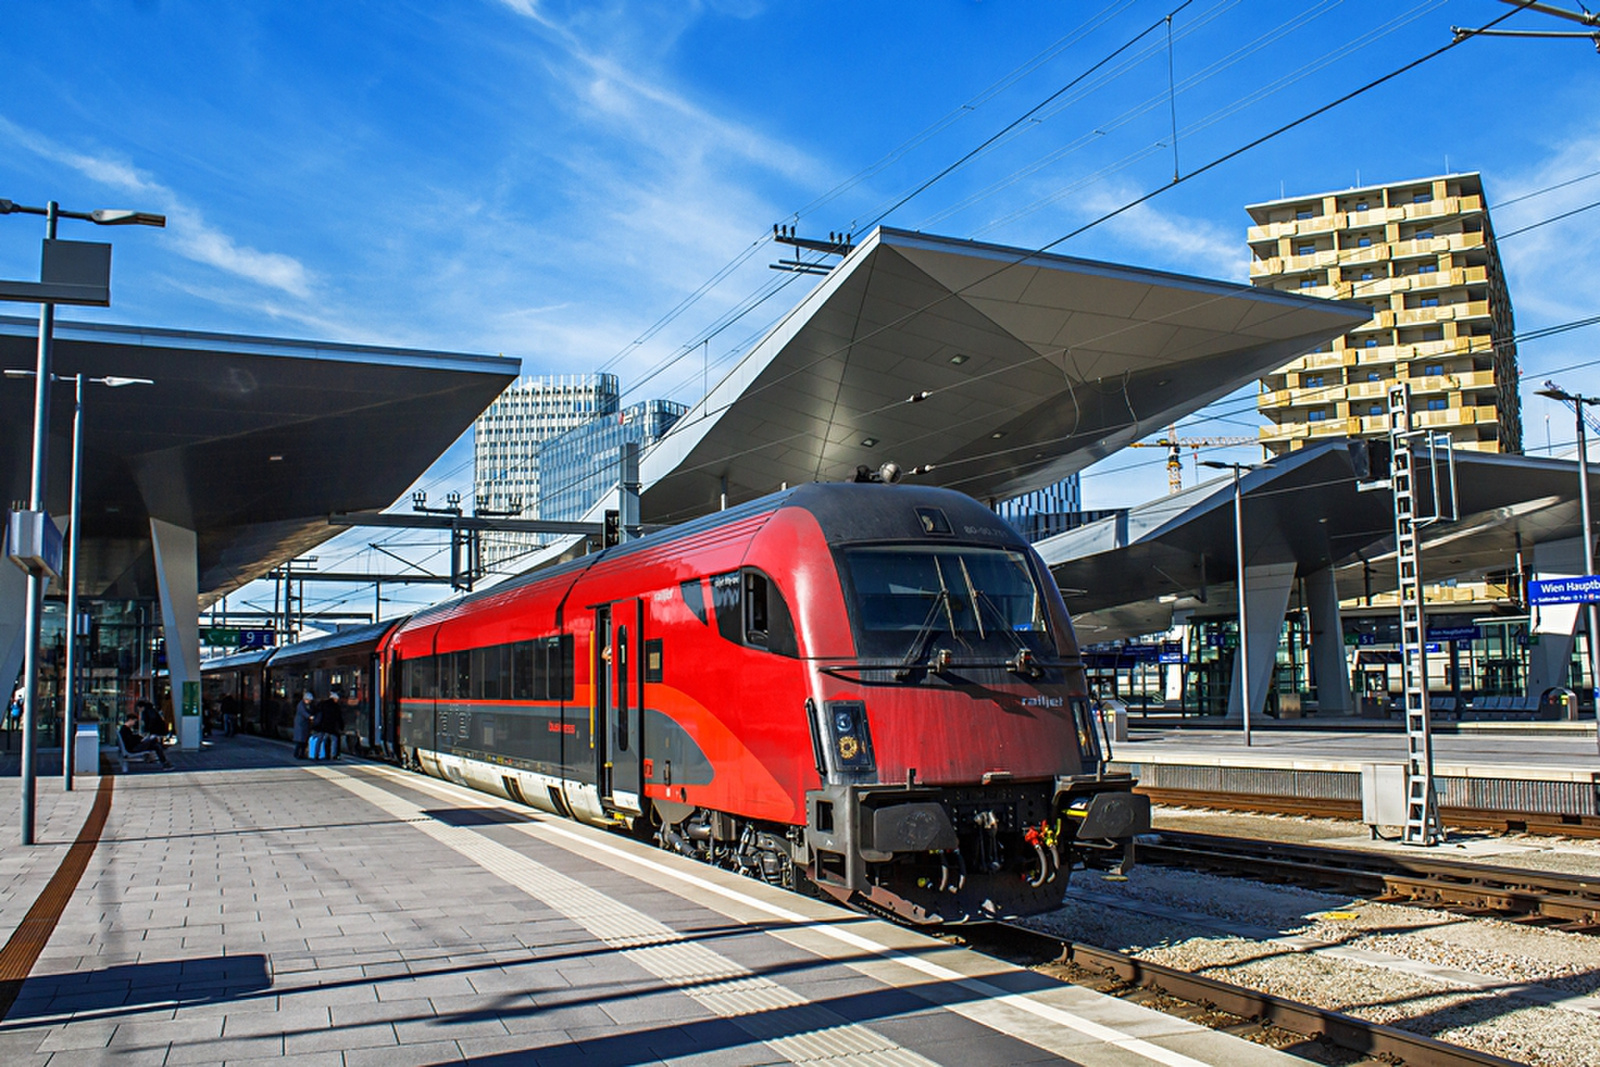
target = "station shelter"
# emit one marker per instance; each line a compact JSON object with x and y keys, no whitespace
{"x":226,"y":464}
{"x":1154,"y":590}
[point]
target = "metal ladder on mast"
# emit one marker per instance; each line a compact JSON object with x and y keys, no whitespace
{"x":1422,"y":806}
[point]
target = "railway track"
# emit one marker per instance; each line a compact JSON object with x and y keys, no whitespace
{"x":1222,"y":1005}
{"x":1559,"y":901}
{"x":1547,"y":824}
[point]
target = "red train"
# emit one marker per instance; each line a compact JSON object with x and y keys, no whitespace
{"x":871,"y":689}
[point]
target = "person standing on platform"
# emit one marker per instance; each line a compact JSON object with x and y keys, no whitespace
{"x":151,"y":721}
{"x":302,"y":725}
{"x":333,"y":722}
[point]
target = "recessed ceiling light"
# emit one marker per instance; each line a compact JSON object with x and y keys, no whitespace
{"x":868,"y":442}
{"x":275,"y":459}
{"x":997,"y":435}
{"x":959,"y":359}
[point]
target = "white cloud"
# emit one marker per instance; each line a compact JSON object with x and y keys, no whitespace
{"x":192,"y":237}
{"x":1181,"y":243}
{"x":614,"y":81}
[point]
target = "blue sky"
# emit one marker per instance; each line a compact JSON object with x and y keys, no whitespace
{"x":551,"y":180}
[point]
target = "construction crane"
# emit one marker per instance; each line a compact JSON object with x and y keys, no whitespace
{"x":1175,"y":445}
{"x":1555,"y":392}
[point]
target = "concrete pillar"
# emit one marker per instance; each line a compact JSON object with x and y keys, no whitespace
{"x":1553,"y":624}
{"x":1266,"y":596}
{"x":13,"y":613}
{"x":178,"y":578}
{"x":1328,"y":658}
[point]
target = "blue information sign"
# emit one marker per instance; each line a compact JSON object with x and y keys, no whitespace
{"x":1584,"y":589}
{"x":1454,"y":633}
{"x":258,"y":638}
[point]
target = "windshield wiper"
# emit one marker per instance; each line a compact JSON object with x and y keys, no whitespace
{"x":914,"y":653}
{"x":1024,"y":661}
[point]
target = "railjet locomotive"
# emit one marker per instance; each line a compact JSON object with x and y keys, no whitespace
{"x":870,"y":690}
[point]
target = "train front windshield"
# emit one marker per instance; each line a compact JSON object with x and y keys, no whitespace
{"x":975,"y":601}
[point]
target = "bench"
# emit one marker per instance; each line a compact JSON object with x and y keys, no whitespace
{"x":124,"y":757}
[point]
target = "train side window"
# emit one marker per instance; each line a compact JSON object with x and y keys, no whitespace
{"x":522,"y":673}
{"x":694,"y":597}
{"x":488,"y":672}
{"x":725,"y":602}
{"x":563,"y":663}
{"x":461,"y":664}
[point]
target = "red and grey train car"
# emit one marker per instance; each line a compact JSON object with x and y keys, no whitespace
{"x":262,"y":687}
{"x":872,"y":689}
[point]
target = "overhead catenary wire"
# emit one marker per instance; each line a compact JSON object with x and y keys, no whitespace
{"x":1279,"y":130}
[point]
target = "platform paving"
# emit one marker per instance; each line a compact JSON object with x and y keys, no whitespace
{"x":245,"y":907}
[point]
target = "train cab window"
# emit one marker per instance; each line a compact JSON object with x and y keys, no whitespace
{"x":902,"y":596}
{"x":725,"y":603}
{"x":751,"y":611}
{"x":767,"y":623}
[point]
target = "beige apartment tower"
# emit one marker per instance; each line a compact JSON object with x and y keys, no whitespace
{"x":1422,"y":255}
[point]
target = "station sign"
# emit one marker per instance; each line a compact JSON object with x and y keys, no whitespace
{"x":258,"y":639}
{"x":1584,"y":589}
{"x":1361,"y":639}
{"x":1454,"y":633}
{"x":1173,"y":657}
{"x":233,"y":637}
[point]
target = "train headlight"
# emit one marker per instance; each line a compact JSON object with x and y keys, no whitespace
{"x":849,"y":736}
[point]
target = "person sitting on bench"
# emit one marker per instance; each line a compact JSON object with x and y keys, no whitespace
{"x":133,"y":741}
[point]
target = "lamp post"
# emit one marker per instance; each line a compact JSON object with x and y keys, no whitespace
{"x":70,"y":576}
{"x":48,"y":295}
{"x":1577,"y":401}
{"x":1238,"y":548}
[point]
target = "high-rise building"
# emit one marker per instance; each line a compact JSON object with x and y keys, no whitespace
{"x":506,"y":440}
{"x":1045,"y":512}
{"x":578,"y":467}
{"x":1422,"y":255}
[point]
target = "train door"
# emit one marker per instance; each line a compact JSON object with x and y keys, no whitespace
{"x":600,"y":700}
{"x":623,"y":740}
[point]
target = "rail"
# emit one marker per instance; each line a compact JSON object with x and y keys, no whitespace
{"x":1564,"y":901}
{"x":1461,"y":818}
{"x":1373,"y":1040}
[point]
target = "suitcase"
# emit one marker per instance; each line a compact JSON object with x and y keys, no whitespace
{"x":319,"y":746}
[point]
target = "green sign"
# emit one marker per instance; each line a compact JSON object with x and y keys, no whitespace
{"x":191,"y":699}
{"x":218,"y":636}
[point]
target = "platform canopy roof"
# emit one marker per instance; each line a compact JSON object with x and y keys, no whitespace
{"x":1127,"y":574}
{"x":1025,"y":368}
{"x":249,"y":441}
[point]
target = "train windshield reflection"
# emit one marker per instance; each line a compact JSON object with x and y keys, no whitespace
{"x":984,"y":598}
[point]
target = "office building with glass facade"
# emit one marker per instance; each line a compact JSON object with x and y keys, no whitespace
{"x":581,"y":465}
{"x":506,"y":450}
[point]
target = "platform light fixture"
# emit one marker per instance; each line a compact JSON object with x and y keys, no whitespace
{"x":69,"y":576}
{"x":1242,"y":662}
{"x":1553,"y":391}
{"x":93,"y":269}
